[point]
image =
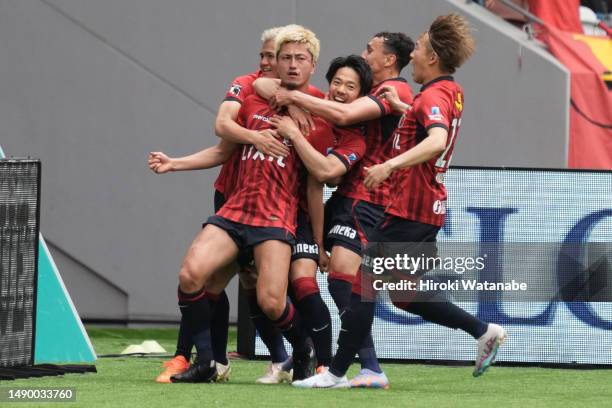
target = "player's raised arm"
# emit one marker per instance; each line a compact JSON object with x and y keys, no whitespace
{"x":430,"y":147}
{"x":208,"y":158}
{"x":342,"y":114}
{"x":266,"y":87}
{"x":228,"y":129}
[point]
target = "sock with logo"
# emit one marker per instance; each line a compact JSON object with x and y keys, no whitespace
{"x":315,"y":315}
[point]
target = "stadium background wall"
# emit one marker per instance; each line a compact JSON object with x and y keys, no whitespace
{"x":537,"y":209}
{"x":90,"y":87}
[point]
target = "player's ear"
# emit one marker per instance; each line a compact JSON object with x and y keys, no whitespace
{"x":390,"y":59}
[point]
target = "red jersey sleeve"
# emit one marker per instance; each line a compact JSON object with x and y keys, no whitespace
{"x":403,"y":90}
{"x":350,"y":145}
{"x":434,"y":109}
{"x":241,"y":87}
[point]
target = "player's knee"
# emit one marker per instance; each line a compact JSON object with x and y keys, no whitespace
{"x":188,"y":279}
{"x":272,"y":305}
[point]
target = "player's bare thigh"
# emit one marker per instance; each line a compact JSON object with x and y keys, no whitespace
{"x":221,"y":278}
{"x":344,"y":261}
{"x":211,"y":250}
{"x":303,"y":268}
{"x":272,"y":260}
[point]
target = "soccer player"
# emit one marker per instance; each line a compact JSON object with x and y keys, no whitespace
{"x":249,"y":223}
{"x":349,"y":78}
{"x":227,"y":153}
{"x":353,"y":210}
{"x":424,"y":143}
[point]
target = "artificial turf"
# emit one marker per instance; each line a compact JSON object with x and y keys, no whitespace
{"x":129,"y":382}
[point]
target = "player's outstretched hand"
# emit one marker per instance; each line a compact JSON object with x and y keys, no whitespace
{"x":301,"y":118}
{"x":285,"y":126}
{"x":159,"y":162}
{"x":389,"y":93}
{"x":376,"y":175}
{"x":268,"y":144}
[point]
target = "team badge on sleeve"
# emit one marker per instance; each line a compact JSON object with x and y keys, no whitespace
{"x":436,"y":114}
{"x":351,"y":157}
{"x":235,"y":89}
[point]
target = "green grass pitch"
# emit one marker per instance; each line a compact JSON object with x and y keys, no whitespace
{"x":129,"y":382}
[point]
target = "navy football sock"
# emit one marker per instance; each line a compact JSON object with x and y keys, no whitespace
{"x":317,"y":319}
{"x":357,"y":322}
{"x":183,"y":342}
{"x":440,"y":311}
{"x":290,"y":325}
{"x":219,"y":326}
{"x":341,"y":292}
{"x":270,"y":334}
{"x":367,"y":355}
{"x":339,"y":286}
{"x":195,"y":311}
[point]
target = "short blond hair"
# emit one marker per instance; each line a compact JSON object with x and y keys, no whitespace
{"x":451,"y":38}
{"x":294,"y":33}
{"x":270,"y":34}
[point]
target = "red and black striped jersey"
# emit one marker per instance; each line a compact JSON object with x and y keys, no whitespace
{"x":378,"y":149}
{"x":349,"y":145}
{"x":266,"y":189}
{"x":345,"y":142}
{"x":241,"y":88}
{"x":418,"y":192}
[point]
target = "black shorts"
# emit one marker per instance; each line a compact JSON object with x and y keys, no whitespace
{"x":395,"y":236}
{"x":349,"y":223}
{"x":247,"y":237}
{"x":396,"y":229}
{"x":219,"y":200}
{"x":305,"y":246}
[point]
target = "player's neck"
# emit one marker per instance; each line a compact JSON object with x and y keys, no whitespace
{"x":302,"y":88}
{"x":433,"y":74}
{"x":384,"y":76}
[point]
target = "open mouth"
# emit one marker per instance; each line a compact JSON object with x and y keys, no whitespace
{"x":337,"y":98}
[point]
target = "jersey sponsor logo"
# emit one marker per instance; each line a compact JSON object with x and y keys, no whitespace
{"x":235,"y":89}
{"x":251,"y":153}
{"x":344,"y":231}
{"x":439,"y":207}
{"x":436,"y":114}
{"x":304,"y":248}
{"x":261,"y":117}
